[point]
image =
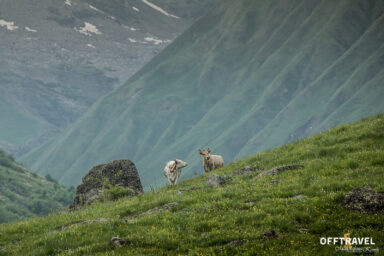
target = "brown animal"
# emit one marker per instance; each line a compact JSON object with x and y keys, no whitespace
{"x":211,"y":162}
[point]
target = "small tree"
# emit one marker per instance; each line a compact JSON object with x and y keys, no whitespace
{"x":48,"y":177}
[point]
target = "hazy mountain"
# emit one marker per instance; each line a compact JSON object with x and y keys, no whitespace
{"x":246,"y":77}
{"x":58,"y":57}
{"x":26,"y":194}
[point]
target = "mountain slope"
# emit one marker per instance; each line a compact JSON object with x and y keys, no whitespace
{"x":57,"y":58}
{"x":304,"y":206}
{"x":246,"y":77}
{"x":25,"y":194}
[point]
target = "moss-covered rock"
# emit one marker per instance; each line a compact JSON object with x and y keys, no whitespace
{"x":121,"y":173}
{"x":364,"y":199}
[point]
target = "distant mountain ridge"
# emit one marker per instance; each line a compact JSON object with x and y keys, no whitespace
{"x":57,"y":58}
{"x":248,"y":76}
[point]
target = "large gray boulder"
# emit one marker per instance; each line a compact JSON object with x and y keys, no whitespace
{"x":118,"y":172}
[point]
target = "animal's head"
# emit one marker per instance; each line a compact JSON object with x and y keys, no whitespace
{"x":179,"y":163}
{"x":205,"y":153}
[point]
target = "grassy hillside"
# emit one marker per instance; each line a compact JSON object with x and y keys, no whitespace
{"x":207,"y":219}
{"x":25,"y":194}
{"x":248,"y":76}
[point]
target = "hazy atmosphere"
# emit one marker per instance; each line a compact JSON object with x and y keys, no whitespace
{"x":151,"y":112}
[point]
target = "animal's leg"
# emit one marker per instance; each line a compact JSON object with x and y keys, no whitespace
{"x":173,"y":180}
{"x":177,"y":177}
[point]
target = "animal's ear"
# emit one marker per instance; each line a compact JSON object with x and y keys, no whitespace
{"x":209,"y":151}
{"x":175,"y":160}
{"x":200,"y":151}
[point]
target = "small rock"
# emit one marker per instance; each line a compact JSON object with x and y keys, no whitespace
{"x":204,"y":235}
{"x":270,"y":234}
{"x":364,"y":199}
{"x":238,"y":242}
{"x":247,"y":170}
{"x":299,"y":197}
{"x":117,"y":242}
{"x":274,"y":182}
{"x":180,"y":192}
{"x":303,"y":230}
{"x":216,"y":180}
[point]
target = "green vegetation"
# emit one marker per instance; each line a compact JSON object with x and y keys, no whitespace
{"x":207,"y":218}
{"x":113,"y":193}
{"x":247,"y":77}
{"x":25,"y":194}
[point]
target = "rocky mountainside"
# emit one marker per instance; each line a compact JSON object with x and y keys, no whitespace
{"x":248,"y":76}
{"x":25,"y":194}
{"x":57,"y":58}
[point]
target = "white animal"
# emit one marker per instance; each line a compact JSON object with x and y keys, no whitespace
{"x":211,"y":162}
{"x":172,"y":170}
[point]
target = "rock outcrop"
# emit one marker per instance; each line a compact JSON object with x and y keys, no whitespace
{"x":155,"y":210}
{"x":238,"y":242}
{"x":270,"y":234}
{"x":117,"y":242}
{"x":247,"y":170}
{"x":216,"y":180}
{"x":364,"y":199}
{"x":118,"y":172}
{"x":279,"y":169}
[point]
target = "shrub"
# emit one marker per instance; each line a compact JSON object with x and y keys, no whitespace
{"x":113,"y":193}
{"x":48,"y":177}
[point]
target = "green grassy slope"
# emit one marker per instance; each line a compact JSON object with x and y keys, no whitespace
{"x":248,"y":76}
{"x":207,"y":218}
{"x":25,"y":194}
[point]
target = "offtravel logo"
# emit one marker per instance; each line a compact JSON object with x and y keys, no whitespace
{"x":351,"y":244}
